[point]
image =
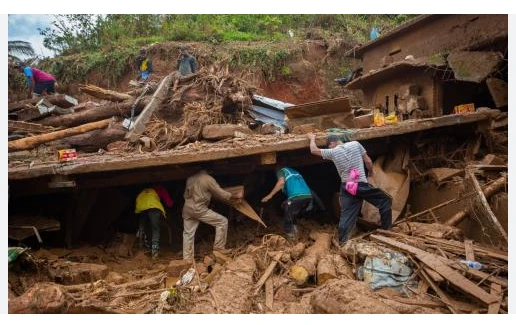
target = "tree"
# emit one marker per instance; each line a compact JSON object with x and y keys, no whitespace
{"x":16,"y":48}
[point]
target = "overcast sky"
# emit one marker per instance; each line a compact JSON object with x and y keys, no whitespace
{"x":25,"y":28}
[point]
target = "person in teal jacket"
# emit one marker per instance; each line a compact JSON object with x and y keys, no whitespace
{"x":299,"y":197}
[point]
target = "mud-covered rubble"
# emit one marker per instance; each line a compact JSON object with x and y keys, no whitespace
{"x":260,"y":278}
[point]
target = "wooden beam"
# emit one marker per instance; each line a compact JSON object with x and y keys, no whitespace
{"x":28,"y":127}
{"x":268,"y":158}
{"x":32,"y":142}
{"x":157,"y":98}
{"x":269,"y":293}
{"x":444,"y":270}
{"x":267,"y":273}
{"x":444,"y":297}
{"x":468,"y":249}
{"x":200,"y":154}
{"x":494,"y":308}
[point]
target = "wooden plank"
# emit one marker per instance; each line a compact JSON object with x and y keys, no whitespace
{"x":468,"y":248}
{"x":442,"y":174}
{"x":287,"y":143}
{"x":444,"y":270}
{"x":269,"y":293}
{"x":494,"y":308}
{"x":444,"y":297}
{"x":434,"y":275}
{"x":157,"y":98}
{"x":331,"y":106}
{"x":267,"y":273}
{"x":491,"y":222}
{"x":268,"y":158}
{"x":28,"y":127}
{"x":32,"y":142}
{"x":245,"y":208}
{"x":221,"y":257}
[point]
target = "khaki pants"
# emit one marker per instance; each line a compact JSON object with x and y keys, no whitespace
{"x":190,"y":224}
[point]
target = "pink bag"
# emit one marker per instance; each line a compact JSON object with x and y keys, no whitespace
{"x":352,"y":184}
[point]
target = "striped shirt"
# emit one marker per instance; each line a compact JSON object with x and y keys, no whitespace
{"x":345,"y":157}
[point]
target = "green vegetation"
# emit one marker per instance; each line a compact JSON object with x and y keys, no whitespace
{"x":110,"y":43}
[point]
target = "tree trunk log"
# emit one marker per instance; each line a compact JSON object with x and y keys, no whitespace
{"x":102,"y":93}
{"x":32,"y":142}
{"x":307,"y":265}
{"x":59,"y":100}
{"x":95,"y":114}
{"x":325,"y":269}
{"x":495,"y":187}
{"x":94,"y":140}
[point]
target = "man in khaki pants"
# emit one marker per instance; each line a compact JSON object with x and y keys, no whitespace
{"x":198,"y":192}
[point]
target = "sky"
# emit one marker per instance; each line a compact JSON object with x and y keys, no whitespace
{"x":25,"y":28}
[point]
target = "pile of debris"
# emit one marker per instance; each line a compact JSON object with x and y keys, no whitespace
{"x":163,"y":116}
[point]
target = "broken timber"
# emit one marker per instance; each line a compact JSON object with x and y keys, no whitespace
{"x":174,"y":157}
{"x":157,"y":98}
{"x":433,"y":262}
{"x":31,"y":142}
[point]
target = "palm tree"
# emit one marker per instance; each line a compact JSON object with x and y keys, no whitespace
{"x":20,"y":48}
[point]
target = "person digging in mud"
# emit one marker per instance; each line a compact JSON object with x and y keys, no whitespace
{"x":37,"y":81}
{"x":186,"y":63}
{"x":349,"y":159}
{"x":144,"y":66}
{"x":198,"y":192}
{"x":150,"y":210}
{"x":299,"y":197}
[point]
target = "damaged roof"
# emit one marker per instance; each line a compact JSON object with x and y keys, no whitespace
{"x":388,"y":71}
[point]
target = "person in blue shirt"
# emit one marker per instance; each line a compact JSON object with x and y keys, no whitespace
{"x":299,"y":197}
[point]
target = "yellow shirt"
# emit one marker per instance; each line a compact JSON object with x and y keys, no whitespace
{"x":148,"y":199}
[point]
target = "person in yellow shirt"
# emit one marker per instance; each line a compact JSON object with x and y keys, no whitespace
{"x":150,"y":210}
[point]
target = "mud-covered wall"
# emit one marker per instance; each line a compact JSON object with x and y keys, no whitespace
{"x":437,"y":35}
{"x":376,"y":93}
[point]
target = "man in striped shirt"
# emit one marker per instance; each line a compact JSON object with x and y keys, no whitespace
{"x":349,"y":158}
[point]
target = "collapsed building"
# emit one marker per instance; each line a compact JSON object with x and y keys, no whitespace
{"x":213,"y":120}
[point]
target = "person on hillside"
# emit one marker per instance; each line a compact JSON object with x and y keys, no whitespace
{"x":349,"y":159}
{"x":186,"y":63}
{"x":37,"y":81}
{"x":299,"y":197}
{"x":144,"y":66}
{"x":198,"y":192}
{"x":150,"y":210}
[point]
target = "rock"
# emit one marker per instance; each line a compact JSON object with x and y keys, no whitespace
{"x":66,"y":272}
{"x":115,"y":278}
{"x":175,"y":267}
{"x":222,"y":131}
{"x":44,"y":297}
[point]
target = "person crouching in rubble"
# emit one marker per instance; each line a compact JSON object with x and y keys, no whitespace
{"x":299,"y":197}
{"x":37,"y":81}
{"x":198,"y":192}
{"x":144,"y":66}
{"x":349,"y":159}
{"x":150,"y":210}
